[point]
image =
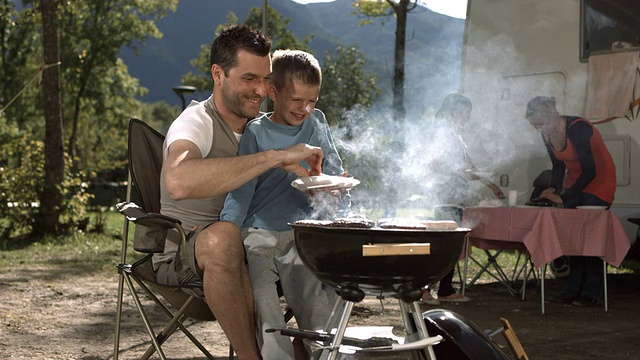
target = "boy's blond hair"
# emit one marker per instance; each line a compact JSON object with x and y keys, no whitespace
{"x":294,"y":65}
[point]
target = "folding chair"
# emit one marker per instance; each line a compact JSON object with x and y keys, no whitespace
{"x":511,"y":338}
{"x":145,"y":163}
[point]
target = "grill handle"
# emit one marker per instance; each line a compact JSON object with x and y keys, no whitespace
{"x":396,"y":249}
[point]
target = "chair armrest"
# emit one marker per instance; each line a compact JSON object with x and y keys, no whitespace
{"x":137,"y":215}
{"x":151,"y":228}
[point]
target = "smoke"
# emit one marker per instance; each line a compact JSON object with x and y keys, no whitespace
{"x":415,"y":162}
{"x":419,"y":162}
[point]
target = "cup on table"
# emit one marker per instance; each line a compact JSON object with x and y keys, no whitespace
{"x":513,"y":197}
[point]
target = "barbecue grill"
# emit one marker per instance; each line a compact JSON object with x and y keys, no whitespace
{"x":354,"y":259}
{"x":395,"y":263}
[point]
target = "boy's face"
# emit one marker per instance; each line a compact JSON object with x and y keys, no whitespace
{"x":294,"y":103}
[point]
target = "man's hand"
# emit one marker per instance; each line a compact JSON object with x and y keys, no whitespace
{"x":292,"y":156}
{"x":496,"y":190}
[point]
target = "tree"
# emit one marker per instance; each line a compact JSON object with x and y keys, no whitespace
{"x":400,"y":8}
{"x":385,"y":8}
{"x":20,"y":60}
{"x":277,"y":29}
{"x":281,"y":36}
{"x":51,"y":197}
{"x":100,"y":92}
{"x":345,"y":84}
{"x":95,"y":99}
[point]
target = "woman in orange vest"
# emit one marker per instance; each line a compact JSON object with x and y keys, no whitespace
{"x":577,"y":150}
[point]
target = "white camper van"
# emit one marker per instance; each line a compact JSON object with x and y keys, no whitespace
{"x":516,"y":50}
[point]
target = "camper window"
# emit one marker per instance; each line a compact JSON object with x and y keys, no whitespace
{"x":609,"y":26}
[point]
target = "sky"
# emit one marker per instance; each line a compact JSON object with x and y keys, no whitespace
{"x":453,"y":8}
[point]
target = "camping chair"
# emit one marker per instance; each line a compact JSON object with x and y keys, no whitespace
{"x":145,"y":163}
{"x":511,"y":339}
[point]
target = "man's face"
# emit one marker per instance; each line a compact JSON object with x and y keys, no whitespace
{"x":244,"y":87}
{"x":293,"y":104}
{"x":461,"y":117}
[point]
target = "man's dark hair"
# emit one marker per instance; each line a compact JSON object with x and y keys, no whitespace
{"x":230,"y":40}
{"x":453,"y":103}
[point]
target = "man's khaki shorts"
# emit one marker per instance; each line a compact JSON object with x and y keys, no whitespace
{"x":183,"y":270}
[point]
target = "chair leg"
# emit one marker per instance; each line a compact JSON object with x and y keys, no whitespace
{"x":176,"y":322}
{"x":145,"y":320}
{"x":543,"y":273}
{"x":466,"y":264}
{"x":513,"y":341}
{"x":604,"y":275}
{"x":116,"y":341}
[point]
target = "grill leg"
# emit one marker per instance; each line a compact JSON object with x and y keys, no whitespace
{"x":415,"y":327}
{"x":331,"y":352}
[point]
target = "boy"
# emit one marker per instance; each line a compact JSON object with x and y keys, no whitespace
{"x":263,"y":207}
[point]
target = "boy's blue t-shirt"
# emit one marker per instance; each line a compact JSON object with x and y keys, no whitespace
{"x":269,"y":201}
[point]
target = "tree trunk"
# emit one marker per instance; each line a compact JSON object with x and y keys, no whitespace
{"x":51,"y":197}
{"x":401,"y":10}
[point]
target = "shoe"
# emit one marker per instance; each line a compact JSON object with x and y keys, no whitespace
{"x":562,"y":299}
{"x":428,"y":299}
{"x":454,"y":298}
{"x":584,"y":301}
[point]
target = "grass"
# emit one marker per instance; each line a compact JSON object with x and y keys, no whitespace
{"x":82,"y":251}
{"x":508,"y":259}
{"x":94,"y":252}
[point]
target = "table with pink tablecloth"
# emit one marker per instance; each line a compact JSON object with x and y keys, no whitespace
{"x":547,"y":233}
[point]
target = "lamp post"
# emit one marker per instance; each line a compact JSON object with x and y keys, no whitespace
{"x":265,"y":6}
{"x":181,"y":90}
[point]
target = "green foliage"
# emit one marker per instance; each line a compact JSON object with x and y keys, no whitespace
{"x":20,"y":59}
{"x":22,"y":181}
{"x":158,"y":115}
{"x":281,"y":36}
{"x":345,"y":84}
{"x":368,"y":9}
{"x":201,"y":78}
{"x":380,"y":9}
{"x":98,"y":94}
{"x":98,"y":98}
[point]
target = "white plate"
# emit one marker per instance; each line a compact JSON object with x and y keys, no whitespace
{"x":323,"y":182}
{"x":591,"y":207}
{"x":491,"y":203}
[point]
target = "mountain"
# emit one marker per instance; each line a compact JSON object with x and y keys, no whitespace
{"x":434,"y":44}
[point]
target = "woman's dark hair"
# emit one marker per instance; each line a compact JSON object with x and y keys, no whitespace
{"x":230,"y":40}
{"x":453,"y":103}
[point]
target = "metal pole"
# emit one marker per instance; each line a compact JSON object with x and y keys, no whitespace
{"x":263,"y":106}
{"x":181,"y":90}
{"x":264,"y":17}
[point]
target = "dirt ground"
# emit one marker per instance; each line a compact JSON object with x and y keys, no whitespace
{"x":49,"y":314}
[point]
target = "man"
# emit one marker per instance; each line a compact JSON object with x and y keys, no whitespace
{"x":201,"y":165}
